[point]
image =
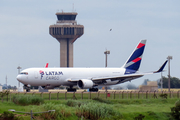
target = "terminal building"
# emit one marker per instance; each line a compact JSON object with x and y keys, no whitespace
{"x":66,"y":31}
{"x":151,"y":86}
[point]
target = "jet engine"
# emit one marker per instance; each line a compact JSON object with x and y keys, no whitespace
{"x":85,"y":83}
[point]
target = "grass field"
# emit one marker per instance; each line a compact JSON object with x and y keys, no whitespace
{"x":152,"y":109}
{"x":127,"y":104}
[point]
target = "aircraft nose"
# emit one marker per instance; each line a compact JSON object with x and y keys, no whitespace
{"x":18,"y":77}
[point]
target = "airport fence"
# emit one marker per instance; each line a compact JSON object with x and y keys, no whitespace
{"x":90,"y":95}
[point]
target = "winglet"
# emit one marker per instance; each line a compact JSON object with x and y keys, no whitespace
{"x":46,"y":65}
{"x":162,"y":67}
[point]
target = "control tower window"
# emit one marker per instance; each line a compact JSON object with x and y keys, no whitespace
{"x":59,"y":31}
{"x":55,"y":31}
{"x":68,"y":31}
{"x":72,"y":31}
{"x":65,"y":31}
{"x":79,"y":31}
{"x":66,"y":17}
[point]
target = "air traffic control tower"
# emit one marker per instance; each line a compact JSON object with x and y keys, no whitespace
{"x":66,"y":31}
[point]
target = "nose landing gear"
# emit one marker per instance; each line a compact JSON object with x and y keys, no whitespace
{"x":28,"y":89}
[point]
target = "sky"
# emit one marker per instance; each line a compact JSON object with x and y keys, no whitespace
{"x":25,"y":40}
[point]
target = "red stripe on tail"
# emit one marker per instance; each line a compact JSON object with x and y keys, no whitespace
{"x":137,"y":59}
{"x":140,"y":45}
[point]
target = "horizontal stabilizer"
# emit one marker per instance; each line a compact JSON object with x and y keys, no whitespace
{"x":162,"y":67}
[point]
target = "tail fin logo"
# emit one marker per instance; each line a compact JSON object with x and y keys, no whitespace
{"x":134,"y":60}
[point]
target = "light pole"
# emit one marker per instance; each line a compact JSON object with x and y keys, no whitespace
{"x":169,"y":58}
{"x":106,"y":53}
{"x":19,"y":68}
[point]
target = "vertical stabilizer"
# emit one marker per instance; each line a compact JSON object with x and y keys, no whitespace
{"x":134,"y":61}
{"x":46,"y":65}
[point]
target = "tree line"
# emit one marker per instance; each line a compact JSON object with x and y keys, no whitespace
{"x":174,"y":82}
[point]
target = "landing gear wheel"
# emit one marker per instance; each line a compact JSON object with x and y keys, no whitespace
{"x":71,"y":90}
{"x":93,"y":90}
{"x":27,"y":88}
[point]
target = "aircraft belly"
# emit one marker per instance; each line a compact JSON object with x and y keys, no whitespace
{"x":109,"y":82}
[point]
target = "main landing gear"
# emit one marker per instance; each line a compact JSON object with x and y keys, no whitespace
{"x":71,"y":89}
{"x":93,"y":90}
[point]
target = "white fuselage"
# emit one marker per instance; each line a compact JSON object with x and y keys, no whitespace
{"x":86,"y":78}
{"x":62,"y":76}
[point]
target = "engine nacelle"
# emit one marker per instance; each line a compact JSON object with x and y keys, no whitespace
{"x":85,"y":83}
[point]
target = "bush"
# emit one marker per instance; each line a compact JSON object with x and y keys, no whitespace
{"x":95,"y":111}
{"x":139,"y":117}
{"x":4,"y":93}
{"x":175,"y":111}
{"x":73,"y":103}
{"x":177,"y":103}
{"x":163,"y":95}
{"x":27,"y":100}
{"x":61,"y":111}
{"x":8,"y":116}
{"x":101,"y":100}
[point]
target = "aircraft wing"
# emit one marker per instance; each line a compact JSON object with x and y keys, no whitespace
{"x":122,"y":78}
{"x":129,"y":77}
{"x":118,"y":77}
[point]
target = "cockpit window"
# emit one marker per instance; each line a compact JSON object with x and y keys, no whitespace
{"x":24,"y":73}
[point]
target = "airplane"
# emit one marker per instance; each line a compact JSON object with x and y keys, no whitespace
{"x":86,"y":78}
